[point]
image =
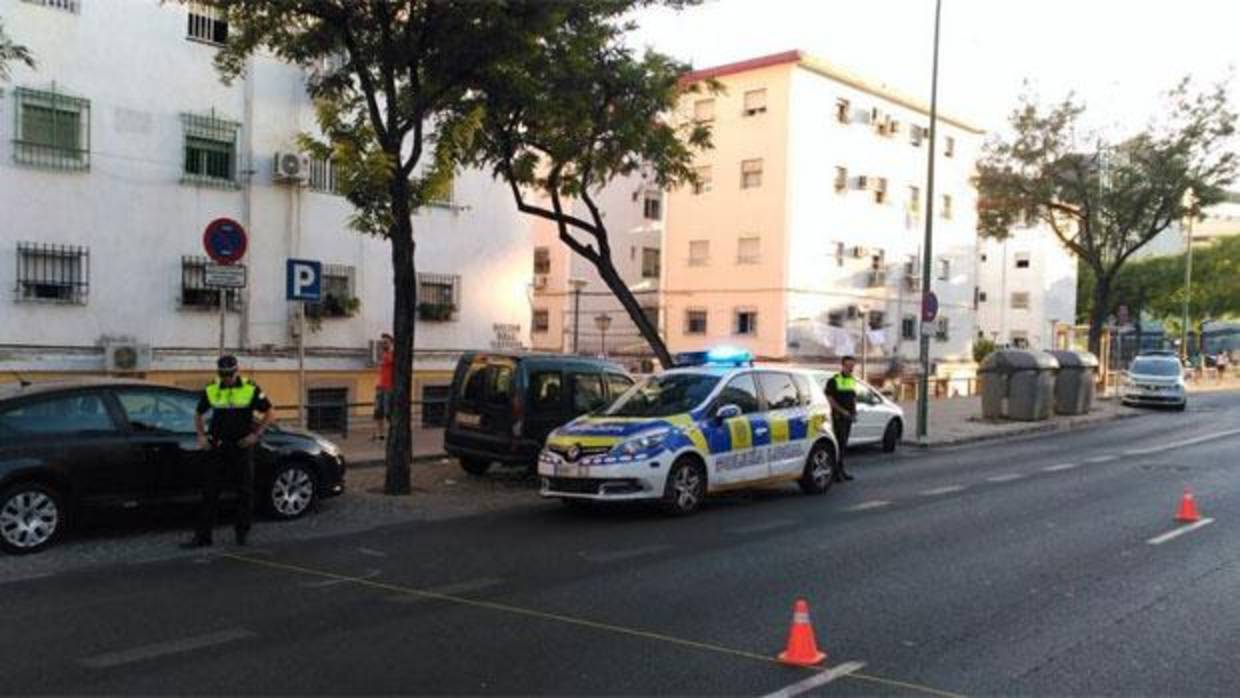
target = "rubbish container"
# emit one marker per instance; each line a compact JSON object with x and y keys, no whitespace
{"x":1018,"y":384}
{"x":1074,"y":386}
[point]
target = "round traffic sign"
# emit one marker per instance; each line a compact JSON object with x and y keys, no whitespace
{"x":224,"y":240}
{"x":929,"y":307}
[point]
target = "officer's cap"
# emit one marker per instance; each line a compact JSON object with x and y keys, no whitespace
{"x":227,"y":362}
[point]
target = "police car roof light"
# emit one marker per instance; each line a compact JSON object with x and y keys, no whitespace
{"x":719,"y":356}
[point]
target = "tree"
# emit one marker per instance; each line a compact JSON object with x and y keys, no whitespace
{"x":580,"y":112}
{"x":1105,"y":200}
{"x":12,"y":52}
{"x":388,"y":77}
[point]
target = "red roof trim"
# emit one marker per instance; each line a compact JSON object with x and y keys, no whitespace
{"x":742,"y":66}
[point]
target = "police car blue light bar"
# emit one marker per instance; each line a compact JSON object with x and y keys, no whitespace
{"x":719,"y":356}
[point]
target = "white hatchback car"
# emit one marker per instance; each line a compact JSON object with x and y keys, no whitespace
{"x":879,"y":420}
{"x":1155,"y":379}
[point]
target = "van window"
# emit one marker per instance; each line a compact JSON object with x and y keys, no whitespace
{"x":742,"y":392}
{"x":618,"y":384}
{"x":474,"y":387}
{"x":546,"y":391}
{"x":587,"y":391}
{"x":501,"y":384}
{"x":780,"y":392}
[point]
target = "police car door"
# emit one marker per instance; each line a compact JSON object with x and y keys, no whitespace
{"x":783,"y":402}
{"x":735,"y":458}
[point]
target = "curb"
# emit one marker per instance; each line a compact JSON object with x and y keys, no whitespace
{"x":1068,"y":425}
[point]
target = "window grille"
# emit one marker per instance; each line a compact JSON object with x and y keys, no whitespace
{"x":210,"y":150}
{"x":53,"y":273}
{"x":438,"y":297}
{"x":323,"y":176}
{"x":746,"y":322}
{"x":942,"y":330}
{"x":541,"y":321}
{"x":207,"y":23}
{"x":196,"y":295}
{"x":751,"y":173}
{"x":73,"y":6}
{"x":542,"y":260}
{"x":337,"y":293}
{"x":695,"y":322}
{"x":52,"y":129}
{"x":651,"y":262}
{"x":908,"y":327}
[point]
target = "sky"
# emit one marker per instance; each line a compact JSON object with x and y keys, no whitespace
{"x":1118,"y":56}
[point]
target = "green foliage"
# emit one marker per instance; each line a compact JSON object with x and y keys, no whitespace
{"x":982,"y":348}
{"x":12,"y":52}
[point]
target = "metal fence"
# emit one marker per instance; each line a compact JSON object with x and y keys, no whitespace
{"x":334,"y":414}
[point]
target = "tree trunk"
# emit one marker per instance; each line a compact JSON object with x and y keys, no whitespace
{"x":399,"y":454}
{"x":622,"y":293}
{"x":1098,"y":313}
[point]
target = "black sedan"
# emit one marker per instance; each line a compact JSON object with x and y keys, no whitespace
{"x":97,"y":443}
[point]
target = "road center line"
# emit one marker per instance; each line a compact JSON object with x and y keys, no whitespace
{"x":821,"y":679}
{"x":370,"y":574}
{"x":1170,"y":535}
{"x":1063,"y":466}
{"x":163,"y":649}
{"x":1009,"y":477}
{"x":872,"y":504}
{"x":1179,"y":444}
{"x":1102,"y":459}
{"x":617,"y":555}
{"x":372,"y":552}
{"x":941,"y":490}
{"x":463,"y":587}
{"x":764,"y":527}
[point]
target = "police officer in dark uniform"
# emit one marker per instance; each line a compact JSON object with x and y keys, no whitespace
{"x":229,"y":445}
{"x":842,"y":394}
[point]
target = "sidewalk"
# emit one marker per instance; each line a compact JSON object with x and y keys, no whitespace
{"x":361,"y":450}
{"x":959,"y":420}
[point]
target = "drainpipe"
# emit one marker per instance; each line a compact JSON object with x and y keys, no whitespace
{"x":247,"y":138}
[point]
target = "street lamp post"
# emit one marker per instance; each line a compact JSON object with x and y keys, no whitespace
{"x":603,"y":321}
{"x":1189,"y":201}
{"x":923,"y":397}
{"x":577,"y":285}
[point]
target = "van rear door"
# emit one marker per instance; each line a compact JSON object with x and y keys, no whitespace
{"x":482,"y":403}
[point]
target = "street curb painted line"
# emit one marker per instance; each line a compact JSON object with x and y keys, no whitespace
{"x":1102,"y":459}
{"x":813,"y":682}
{"x":942,"y":490}
{"x":1010,"y":477}
{"x":1179,"y":444}
{"x":1063,"y":466}
{"x":866,"y":506}
{"x":617,"y":555}
{"x":1171,"y":535}
{"x":163,"y":649}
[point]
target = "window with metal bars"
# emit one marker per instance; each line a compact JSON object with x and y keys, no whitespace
{"x":52,"y":129}
{"x":541,"y":321}
{"x":323,"y":176}
{"x":73,"y":6}
{"x":196,"y":295}
{"x":206,"y":23}
{"x":438,"y":297}
{"x":53,"y":273}
{"x":210,"y":150}
{"x":337,"y":293}
{"x":542,"y":260}
{"x":652,"y":258}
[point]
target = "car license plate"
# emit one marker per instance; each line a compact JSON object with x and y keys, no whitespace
{"x":468,"y":420}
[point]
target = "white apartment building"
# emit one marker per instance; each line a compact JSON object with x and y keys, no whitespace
{"x":810,"y":221}
{"x":1027,"y":290}
{"x":1219,"y":220}
{"x":123,"y":144}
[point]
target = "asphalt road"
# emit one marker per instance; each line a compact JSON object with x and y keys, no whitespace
{"x":1015,"y":568}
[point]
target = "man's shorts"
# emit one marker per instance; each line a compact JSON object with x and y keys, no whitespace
{"x":383,"y":403}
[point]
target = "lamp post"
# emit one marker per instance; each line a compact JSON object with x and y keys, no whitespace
{"x":577,"y":285}
{"x":603,"y":321}
{"x":1188,"y":202}
{"x":923,"y":398}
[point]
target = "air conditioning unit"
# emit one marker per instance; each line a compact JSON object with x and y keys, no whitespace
{"x":540,"y":282}
{"x":858,"y":252}
{"x":124,"y":357}
{"x":292,"y":167}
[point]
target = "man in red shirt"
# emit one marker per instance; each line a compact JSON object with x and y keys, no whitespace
{"x":383,"y":388}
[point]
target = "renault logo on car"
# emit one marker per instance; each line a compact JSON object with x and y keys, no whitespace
{"x":574,"y":452}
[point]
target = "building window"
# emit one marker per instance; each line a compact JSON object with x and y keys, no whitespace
{"x":841,"y":179}
{"x":652,"y":206}
{"x":1020,"y":339}
{"x":755,"y":102}
{"x":207,"y":23}
{"x":841,"y":252}
{"x":323,"y":176}
{"x":842,"y":107}
{"x":53,"y":273}
{"x":1022,"y":260}
{"x":704,"y":110}
{"x":196,"y":295}
{"x":914,"y":200}
{"x":339,"y":298}
{"x":651,"y":262}
{"x":908,"y":327}
{"x":438,"y":296}
{"x":981,"y":296}
{"x":751,"y":173}
{"x":699,"y":253}
{"x":541,"y":322}
{"x":947,"y":206}
{"x":880,"y":190}
{"x":915,"y":135}
{"x":703,"y":183}
{"x":746,"y":321}
{"x":942,"y":329}
{"x":877,"y":319}
{"x":210,"y":150}
{"x":949,"y":147}
{"x":695,"y":321}
{"x":748,"y":250}
{"x":1020,"y":300}
{"x":52,"y":130}
{"x":73,"y":6}
{"x":542,"y":260}
{"x":945,"y":269}
{"x":835,"y":318}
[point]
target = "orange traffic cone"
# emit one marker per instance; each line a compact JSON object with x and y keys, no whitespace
{"x":802,"y":649}
{"x":1188,"y":508}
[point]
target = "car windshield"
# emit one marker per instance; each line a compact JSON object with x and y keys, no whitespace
{"x":661,"y":396}
{"x":1155,"y":367}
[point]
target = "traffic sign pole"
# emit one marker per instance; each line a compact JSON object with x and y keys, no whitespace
{"x":225,"y":242}
{"x":301,"y":364}
{"x":923,"y":397}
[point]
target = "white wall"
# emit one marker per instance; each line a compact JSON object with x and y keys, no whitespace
{"x":1050,"y":280}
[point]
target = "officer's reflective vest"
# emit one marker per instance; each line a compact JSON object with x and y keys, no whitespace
{"x":845,"y":384}
{"x":235,"y":397}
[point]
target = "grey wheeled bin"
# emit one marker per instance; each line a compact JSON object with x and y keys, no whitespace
{"x":1018,"y":384}
{"x":1074,"y":386}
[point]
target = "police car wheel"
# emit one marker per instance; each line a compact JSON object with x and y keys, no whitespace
{"x":685,"y":489}
{"x":819,"y":468}
{"x":32,"y":517}
{"x":293,"y":491}
{"x":891,"y":435}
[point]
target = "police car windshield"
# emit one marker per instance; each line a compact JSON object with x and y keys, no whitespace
{"x":665,"y":395}
{"x":1156,"y":367}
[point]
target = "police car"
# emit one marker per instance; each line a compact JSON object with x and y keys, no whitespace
{"x":714,"y":423}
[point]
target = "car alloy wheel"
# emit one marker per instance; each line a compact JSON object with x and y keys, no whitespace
{"x":29,"y":519}
{"x":685,"y":489}
{"x":292,"y":492}
{"x":819,"y":470}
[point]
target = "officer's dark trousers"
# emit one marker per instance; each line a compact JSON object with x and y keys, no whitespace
{"x":227,"y":464}
{"x":842,"y":428}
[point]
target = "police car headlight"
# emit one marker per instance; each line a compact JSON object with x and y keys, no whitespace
{"x":648,"y":441}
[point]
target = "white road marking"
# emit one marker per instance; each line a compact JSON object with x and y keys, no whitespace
{"x":819,"y":679}
{"x":616,"y":555}
{"x":1180,"y":444}
{"x":872,"y":504}
{"x":764,"y":527}
{"x":450,"y":590}
{"x":942,"y":490}
{"x":370,"y":574}
{"x":372,"y":552}
{"x":163,"y":649}
{"x":1170,"y":535}
{"x":1102,"y":459}
{"x":1063,"y":466}
{"x":1006,"y":478}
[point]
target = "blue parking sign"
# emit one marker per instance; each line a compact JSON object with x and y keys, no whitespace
{"x":304,"y":280}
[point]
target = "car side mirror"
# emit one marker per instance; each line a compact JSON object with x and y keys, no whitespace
{"x":727,"y":412}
